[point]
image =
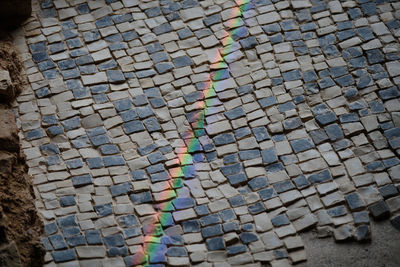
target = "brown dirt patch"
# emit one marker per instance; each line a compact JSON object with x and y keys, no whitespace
{"x":9,"y":60}
{"x":20,"y":225}
{"x":19,"y":221}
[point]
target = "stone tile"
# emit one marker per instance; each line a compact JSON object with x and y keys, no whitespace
{"x":218,"y":124}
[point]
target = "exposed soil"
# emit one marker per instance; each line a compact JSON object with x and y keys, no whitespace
{"x":20,"y":226}
{"x":9,"y":61}
{"x":19,"y":221}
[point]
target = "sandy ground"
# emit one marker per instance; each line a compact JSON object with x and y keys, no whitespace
{"x":382,"y":251}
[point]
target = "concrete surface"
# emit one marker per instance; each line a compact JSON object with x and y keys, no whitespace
{"x":382,"y":251}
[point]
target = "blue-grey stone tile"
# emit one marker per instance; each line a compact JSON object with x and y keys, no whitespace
{"x":256,"y":208}
{"x":56,"y":130}
{"x":114,"y":241}
{"x":81,"y":180}
{"x":280,"y":220}
{"x":210,"y":219}
{"x":249,"y":154}
{"x":216,"y":243}
{"x":267,"y":193}
{"x":63,"y":255}
{"x":58,"y":241}
{"x":74,"y":163}
{"x":130,"y":35}
{"x":74,"y":241}
{"x":163,"y":28}
{"x":211,"y":20}
{"x":107,"y":65}
{"x":334,"y":132}
{"x":154,"y":47}
{"x":248,"y":237}
{"x":286,"y":106}
{"x":211,"y":231}
{"x":161,"y":176}
{"x":269,"y":156}
{"x":67,"y":201}
{"x":153,"y":12}
{"x":237,"y":179}
{"x":326,"y":118}
{"x":320,"y":177}
{"x":258,"y":183}
{"x":231,"y":169}
{"x":354,"y":201}
{"x":301,"y":145}
{"x":104,"y":22}
{"x":191,"y":226}
{"x":182,"y":61}
{"x":140,"y":198}
{"x":292,"y":123}
{"x":283,"y":186}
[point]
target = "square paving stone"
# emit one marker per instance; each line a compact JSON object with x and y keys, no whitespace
{"x":114,"y":241}
{"x":267,"y":193}
{"x":237,"y":179}
{"x":247,"y":237}
{"x":379,"y":210}
{"x":301,"y":145}
{"x":115,"y":76}
{"x":182,"y":61}
{"x":133,"y":127}
{"x":216,"y":243}
{"x":232,"y":158}
{"x":64,"y":255}
{"x":128,"y":221}
{"x":211,"y":231}
{"x":121,"y":189}
{"x":67,"y":201}
{"x":67,"y":221}
{"x":82,"y":180}
{"x":388,"y":191}
{"x":58,"y":241}
{"x":269,"y":156}
{"x":320,"y":177}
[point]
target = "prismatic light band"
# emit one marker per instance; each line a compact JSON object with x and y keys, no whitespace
{"x":154,"y":247}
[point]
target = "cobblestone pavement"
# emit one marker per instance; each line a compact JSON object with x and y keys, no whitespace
{"x":209,"y":133}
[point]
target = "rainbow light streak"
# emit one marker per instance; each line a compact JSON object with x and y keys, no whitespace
{"x":153,"y":247}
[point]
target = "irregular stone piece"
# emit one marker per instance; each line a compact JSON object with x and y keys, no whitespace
{"x":305,"y":222}
{"x":396,"y":222}
{"x":393,"y":68}
{"x":362,"y":233}
{"x":354,"y":201}
{"x":343,"y":233}
{"x":379,"y":210}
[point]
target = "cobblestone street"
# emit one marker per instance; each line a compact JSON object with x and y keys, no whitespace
{"x":209,"y":133}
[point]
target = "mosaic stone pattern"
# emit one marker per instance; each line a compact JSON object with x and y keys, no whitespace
{"x":209,"y":133}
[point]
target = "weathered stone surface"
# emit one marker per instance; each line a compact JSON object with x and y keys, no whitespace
{"x":343,"y":233}
{"x":210,"y":133}
{"x":362,"y":233}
